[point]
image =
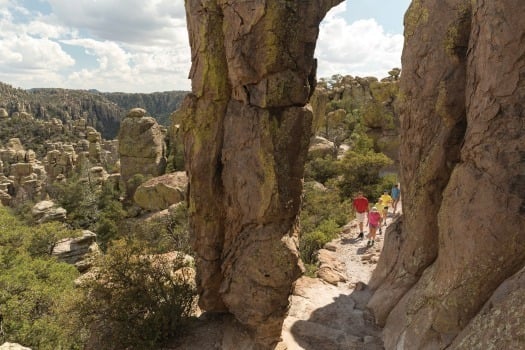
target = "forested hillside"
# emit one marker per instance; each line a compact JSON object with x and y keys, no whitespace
{"x":103,"y":111}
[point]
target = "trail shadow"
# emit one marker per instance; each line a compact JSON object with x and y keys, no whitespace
{"x":341,"y":325}
{"x":363,"y":250}
{"x":353,"y":240}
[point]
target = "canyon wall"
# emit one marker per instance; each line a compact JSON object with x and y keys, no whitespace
{"x":246,"y":127}
{"x":463,"y":176}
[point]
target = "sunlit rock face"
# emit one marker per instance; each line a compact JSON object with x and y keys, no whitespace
{"x":463,"y":179}
{"x":142,"y":148}
{"x":246,"y":131}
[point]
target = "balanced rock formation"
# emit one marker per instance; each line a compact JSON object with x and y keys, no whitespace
{"x":462,"y":171}
{"x":142,"y":148}
{"x":246,"y":131}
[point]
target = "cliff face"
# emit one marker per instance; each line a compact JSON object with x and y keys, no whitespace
{"x":246,"y":132}
{"x":462,"y":172}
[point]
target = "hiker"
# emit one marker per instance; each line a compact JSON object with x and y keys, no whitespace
{"x":385,"y":201}
{"x":374,"y":221}
{"x":395,"y":193}
{"x":360,"y":205}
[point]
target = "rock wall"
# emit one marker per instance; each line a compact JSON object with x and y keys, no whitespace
{"x":246,"y":131}
{"x":462,"y":171}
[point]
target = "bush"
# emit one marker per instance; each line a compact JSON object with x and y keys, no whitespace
{"x":137,"y":301}
{"x":361,"y":173}
{"x":33,"y":287}
{"x":312,"y":241}
{"x":322,"y":169}
{"x":322,"y":214}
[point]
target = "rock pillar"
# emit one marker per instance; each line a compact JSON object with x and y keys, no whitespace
{"x":246,"y":132}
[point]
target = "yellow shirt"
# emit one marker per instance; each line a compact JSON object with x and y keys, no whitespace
{"x":385,"y":200}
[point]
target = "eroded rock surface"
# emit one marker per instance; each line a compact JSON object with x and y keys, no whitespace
{"x":142,"y":148}
{"x":246,"y":132}
{"x":462,"y":171}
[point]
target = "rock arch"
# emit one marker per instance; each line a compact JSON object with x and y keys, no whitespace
{"x":246,"y":129}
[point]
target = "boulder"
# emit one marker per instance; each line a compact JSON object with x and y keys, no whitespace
{"x":46,"y":211}
{"x":77,"y":251}
{"x":161,"y":192}
{"x":13,"y":346}
{"x":320,"y":148}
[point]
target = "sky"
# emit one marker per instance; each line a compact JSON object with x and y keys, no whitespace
{"x":142,"y":46}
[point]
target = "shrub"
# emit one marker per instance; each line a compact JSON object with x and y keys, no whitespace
{"x":312,"y":241}
{"x":322,"y":214}
{"x":322,"y":169}
{"x":33,"y":287}
{"x":135,"y":300}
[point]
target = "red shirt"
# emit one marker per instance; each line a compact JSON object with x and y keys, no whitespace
{"x":361,"y":204}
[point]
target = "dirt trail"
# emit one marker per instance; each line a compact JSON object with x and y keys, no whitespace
{"x":322,"y":315}
{"x":325,"y":316}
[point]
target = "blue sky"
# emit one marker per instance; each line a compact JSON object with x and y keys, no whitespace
{"x":110,"y":45}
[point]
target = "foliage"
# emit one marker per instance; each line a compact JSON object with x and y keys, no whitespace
{"x":137,"y":301}
{"x":111,"y":213}
{"x":33,"y":287}
{"x":322,"y":169}
{"x":79,"y":197}
{"x":361,"y":172}
{"x":322,"y":214}
{"x":163,"y":232}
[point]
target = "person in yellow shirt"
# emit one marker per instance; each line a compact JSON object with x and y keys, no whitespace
{"x":385,"y":201}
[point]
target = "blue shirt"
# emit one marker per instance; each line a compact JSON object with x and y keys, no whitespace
{"x":395,"y":192}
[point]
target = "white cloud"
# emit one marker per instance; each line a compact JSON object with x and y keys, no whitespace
{"x":130,"y":21}
{"x":137,"y":70}
{"x":142,"y":46}
{"x":361,"y":48}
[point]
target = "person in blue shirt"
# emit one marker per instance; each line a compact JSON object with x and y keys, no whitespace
{"x":396,"y":195}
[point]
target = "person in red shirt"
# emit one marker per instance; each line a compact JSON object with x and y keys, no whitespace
{"x":360,"y":205}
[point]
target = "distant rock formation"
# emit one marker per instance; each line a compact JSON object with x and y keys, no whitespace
{"x":459,"y":255}
{"x":246,"y":131}
{"x":142,"y":148}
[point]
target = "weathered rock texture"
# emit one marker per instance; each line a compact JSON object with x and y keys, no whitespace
{"x":161,"y":192}
{"x":463,"y":175}
{"x":142,"y":148}
{"x":246,"y":132}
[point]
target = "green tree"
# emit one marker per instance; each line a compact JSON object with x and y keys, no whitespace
{"x":33,"y":287}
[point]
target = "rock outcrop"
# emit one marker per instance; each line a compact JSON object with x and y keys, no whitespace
{"x":142,"y":148}
{"x":46,"y":211}
{"x":462,"y":171}
{"x":161,"y":192}
{"x":78,"y":251}
{"x":246,"y":133}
